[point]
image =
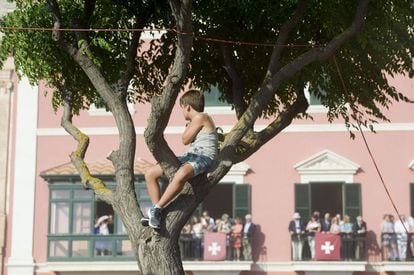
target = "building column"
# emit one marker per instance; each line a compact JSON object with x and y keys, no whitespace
{"x":21,"y":261}
{"x":5,"y":107}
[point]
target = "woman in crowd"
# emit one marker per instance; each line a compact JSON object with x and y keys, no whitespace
{"x":335,"y":227}
{"x":225,"y":227}
{"x":346,"y":234}
{"x":197,"y":232}
{"x":185,"y":241}
{"x":312,"y":227}
{"x":236,"y":234}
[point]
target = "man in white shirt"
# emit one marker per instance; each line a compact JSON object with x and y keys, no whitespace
{"x":401,"y":226}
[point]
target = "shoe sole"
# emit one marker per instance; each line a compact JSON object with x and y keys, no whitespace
{"x":152,"y":225}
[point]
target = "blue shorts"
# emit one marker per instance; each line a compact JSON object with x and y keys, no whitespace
{"x":199,"y":163}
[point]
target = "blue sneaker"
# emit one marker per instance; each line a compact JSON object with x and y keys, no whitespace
{"x":154,"y":216}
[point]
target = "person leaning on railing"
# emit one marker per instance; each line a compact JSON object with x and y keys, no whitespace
{"x":312,"y":227}
{"x":360,"y":232}
{"x":346,"y":237}
{"x":388,"y":239}
{"x":400,"y":227}
{"x":297,"y":232}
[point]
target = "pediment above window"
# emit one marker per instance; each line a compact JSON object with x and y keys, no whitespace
{"x":325,"y":166}
{"x":411,"y":165}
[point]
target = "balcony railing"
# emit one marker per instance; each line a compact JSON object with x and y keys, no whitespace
{"x":89,"y":247}
{"x":352,"y":247}
{"x":397,"y":246}
{"x":116,"y":247}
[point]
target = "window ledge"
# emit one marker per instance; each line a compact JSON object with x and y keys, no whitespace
{"x":315,"y":109}
{"x":94,"y":111}
{"x":126,"y":266}
{"x":211,"y":267}
{"x":219,"y":110}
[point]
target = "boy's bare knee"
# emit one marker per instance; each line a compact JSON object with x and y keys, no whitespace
{"x":153,"y":173}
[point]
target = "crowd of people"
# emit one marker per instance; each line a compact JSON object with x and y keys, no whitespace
{"x":303,"y":235}
{"x":397,"y":235}
{"x":239,"y":235}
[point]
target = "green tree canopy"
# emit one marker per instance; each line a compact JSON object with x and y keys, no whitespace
{"x":384,"y":48}
{"x":262,"y":55}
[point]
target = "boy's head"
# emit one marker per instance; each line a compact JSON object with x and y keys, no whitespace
{"x":193,"y":98}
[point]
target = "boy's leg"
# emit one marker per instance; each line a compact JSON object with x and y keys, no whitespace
{"x":183,"y":174}
{"x":151,"y":178}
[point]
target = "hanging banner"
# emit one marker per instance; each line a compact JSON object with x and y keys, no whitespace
{"x":327,"y":246}
{"x":214,"y":246}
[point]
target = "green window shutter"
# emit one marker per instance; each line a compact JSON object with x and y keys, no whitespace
{"x":241,"y":200}
{"x":412,"y":198}
{"x":352,"y":200}
{"x":302,"y":200}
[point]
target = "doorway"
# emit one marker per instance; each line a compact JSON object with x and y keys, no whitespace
{"x":219,"y":200}
{"x":327,"y":198}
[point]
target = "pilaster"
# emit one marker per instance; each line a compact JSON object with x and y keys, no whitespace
{"x":21,"y":260}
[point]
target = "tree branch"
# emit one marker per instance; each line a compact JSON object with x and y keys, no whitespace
{"x":253,"y":141}
{"x":88,"y":10}
{"x":283,"y":37}
{"x":269,"y":87}
{"x":77,"y":157}
{"x":123,"y":158}
{"x":237,"y":81}
{"x":162,"y":106}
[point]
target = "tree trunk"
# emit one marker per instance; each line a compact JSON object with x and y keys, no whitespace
{"x":160,"y":256}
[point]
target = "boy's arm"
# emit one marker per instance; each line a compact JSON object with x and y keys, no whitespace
{"x":192,"y":129}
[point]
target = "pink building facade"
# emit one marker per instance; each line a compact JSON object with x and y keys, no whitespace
{"x":311,"y":165}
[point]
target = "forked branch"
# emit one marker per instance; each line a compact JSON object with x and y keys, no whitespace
{"x":77,"y":157}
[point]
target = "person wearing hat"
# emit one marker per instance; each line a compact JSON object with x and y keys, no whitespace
{"x":103,"y":247}
{"x":297,"y":231}
{"x":248,"y":232}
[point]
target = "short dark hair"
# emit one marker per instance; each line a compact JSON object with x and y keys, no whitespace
{"x":194,"y":98}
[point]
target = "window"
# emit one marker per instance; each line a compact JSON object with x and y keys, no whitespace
{"x":315,"y":104}
{"x":213,"y":103}
{"x":334,"y":198}
{"x":73,"y":214}
{"x":212,"y":98}
{"x":229,"y":198}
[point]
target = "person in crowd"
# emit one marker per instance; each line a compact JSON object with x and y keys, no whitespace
{"x":360,"y":232}
{"x":335,"y":227}
{"x":346,"y":237}
{"x":101,"y":227}
{"x":312,"y":227}
{"x":338,"y":217}
{"x":297,"y":232}
{"x":208,"y":222}
{"x":326,"y":223}
{"x":411,"y":235}
{"x":401,"y":226}
{"x":197,"y":231}
{"x":225,"y":227}
{"x":185,"y":241}
{"x":317,"y":216}
{"x":248,"y":231}
{"x":389,"y":246}
{"x":236,"y":234}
